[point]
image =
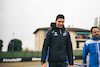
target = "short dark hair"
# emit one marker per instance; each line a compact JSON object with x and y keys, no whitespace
{"x":60,"y":16}
{"x":94,"y":27}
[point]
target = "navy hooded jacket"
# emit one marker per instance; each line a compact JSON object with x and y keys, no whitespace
{"x":59,"y":45}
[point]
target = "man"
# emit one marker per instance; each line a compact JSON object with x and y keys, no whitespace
{"x":92,"y":48}
{"x":59,"y":43}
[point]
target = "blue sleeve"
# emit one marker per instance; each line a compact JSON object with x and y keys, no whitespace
{"x":67,"y":59}
{"x":85,"y":52}
{"x":47,"y":54}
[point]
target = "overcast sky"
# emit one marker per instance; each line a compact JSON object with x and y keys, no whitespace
{"x":23,"y":17}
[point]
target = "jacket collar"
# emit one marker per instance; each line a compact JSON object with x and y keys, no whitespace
{"x":53,"y":25}
{"x":95,"y":38}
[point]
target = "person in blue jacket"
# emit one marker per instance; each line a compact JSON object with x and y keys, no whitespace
{"x":92,"y":48}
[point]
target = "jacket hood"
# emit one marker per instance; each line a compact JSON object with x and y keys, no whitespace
{"x":53,"y":25}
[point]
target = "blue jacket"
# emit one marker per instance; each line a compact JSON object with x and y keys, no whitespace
{"x":92,"y":48}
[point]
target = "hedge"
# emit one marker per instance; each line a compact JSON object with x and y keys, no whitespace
{"x":30,"y":54}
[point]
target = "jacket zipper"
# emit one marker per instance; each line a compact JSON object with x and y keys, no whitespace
{"x":60,"y":33}
{"x":98,"y":54}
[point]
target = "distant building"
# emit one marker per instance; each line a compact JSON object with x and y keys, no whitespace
{"x":78,"y":37}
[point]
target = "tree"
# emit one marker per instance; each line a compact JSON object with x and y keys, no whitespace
{"x":1,"y":45}
{"x":26,"y":50}
{"x":15,"y":45}
{"x":97,"y":22}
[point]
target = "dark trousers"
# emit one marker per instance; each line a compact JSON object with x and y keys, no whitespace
{"x":59,"y":64}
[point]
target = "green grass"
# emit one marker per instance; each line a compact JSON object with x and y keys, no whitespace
{"x":19,"y":54}
{"x":77,"y":53}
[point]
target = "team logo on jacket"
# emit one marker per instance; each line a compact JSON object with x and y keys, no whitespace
{"x":64,"y":34}
{"x":55,"y":34}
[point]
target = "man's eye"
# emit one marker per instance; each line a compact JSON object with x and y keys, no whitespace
{"x":62,"y":21}
{"x":59,"y":21}
{"x":96,"y":31}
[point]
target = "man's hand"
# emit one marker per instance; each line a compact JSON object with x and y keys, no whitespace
{"x":43,"y":65}
{"x":71,"y":66}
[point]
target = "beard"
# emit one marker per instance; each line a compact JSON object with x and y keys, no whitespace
{"x":97,"y":36}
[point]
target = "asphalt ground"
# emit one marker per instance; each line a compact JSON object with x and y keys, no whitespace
{"x":40,"y":66}
{"x":29,"y":64}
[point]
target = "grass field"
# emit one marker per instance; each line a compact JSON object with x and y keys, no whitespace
{"x":26,"y":64}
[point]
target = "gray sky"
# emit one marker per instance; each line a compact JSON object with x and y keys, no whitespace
{"x":23,"y":17}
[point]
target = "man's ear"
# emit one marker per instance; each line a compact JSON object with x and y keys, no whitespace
{"x":91,"y":33}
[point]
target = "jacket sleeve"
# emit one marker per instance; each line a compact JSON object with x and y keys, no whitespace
{"x":69,"y":50}
{"x":85,"y":52}
{"x":45,"y":46}
{"x":47,"y":54}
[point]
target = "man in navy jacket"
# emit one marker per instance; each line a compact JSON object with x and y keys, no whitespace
{"x":59,"y":43}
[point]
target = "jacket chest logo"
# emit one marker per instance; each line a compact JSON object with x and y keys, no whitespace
{"x":64,"y":34}
{"x":55,"y":34}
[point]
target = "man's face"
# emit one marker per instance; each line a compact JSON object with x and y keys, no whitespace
{"x":95,"y":33}
{"x":60,"y":22}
